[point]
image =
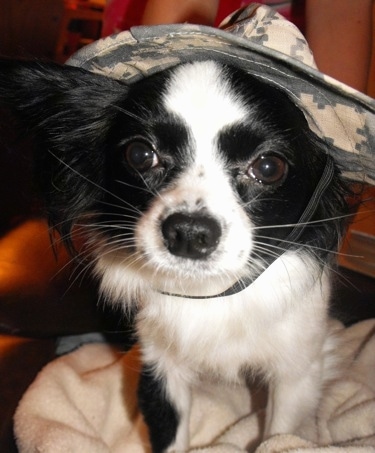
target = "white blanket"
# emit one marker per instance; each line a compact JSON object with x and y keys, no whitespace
{"x":86,"y":402}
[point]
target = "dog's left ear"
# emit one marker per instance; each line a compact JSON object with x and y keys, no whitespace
{"x":67,"y":112}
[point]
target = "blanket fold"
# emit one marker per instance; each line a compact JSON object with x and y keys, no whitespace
{"x":86,"y":401}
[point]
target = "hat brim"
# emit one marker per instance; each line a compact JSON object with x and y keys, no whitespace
{"x":343,"y":117}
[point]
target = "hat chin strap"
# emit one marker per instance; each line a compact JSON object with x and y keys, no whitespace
{"x":294,"y":235}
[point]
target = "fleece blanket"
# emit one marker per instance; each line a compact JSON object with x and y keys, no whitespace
{"x":86,"y":401}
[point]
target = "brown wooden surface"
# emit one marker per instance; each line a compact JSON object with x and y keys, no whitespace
{"x":29,"y":27}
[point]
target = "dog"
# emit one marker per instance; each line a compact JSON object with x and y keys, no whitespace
{"x":209,"y":209}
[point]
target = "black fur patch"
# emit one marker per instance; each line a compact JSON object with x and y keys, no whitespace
{"x":159,"y":414}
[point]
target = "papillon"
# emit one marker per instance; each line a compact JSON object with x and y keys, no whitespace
{"x":210,"y":210}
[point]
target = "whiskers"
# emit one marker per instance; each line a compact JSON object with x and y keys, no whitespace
{"x":93,"y":238}
{"x":123,"y":202}
{"x":304,"y":224}
{"x":268,"y":247}
{"x":130,"y":114}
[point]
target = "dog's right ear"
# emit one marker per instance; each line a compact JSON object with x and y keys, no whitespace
{"x":67,"y":112}
{"x":36,"y":92}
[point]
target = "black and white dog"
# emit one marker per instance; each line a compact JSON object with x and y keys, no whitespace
{"x":206,"y":208}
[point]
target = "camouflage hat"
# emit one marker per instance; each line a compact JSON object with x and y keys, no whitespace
{"x":265,"y":45}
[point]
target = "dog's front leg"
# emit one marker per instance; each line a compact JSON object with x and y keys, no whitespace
{"x":165,"y":405}
{"x":292,"y":398}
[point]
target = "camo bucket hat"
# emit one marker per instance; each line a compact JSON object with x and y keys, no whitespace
{"x":265,"y":45}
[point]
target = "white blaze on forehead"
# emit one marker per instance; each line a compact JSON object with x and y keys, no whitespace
{"x":200,"y":95}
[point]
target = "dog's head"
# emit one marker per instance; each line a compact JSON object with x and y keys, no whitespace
{"x":186,"y":182}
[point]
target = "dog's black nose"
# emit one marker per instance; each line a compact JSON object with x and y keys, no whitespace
{"x":192,"y":236}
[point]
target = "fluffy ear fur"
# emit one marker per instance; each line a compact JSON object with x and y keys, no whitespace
{"x":68,"y":113}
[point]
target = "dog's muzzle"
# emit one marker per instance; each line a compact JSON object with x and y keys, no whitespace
{"x":198,"y":236}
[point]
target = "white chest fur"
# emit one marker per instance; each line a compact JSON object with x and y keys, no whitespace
{"x":278,"y":322}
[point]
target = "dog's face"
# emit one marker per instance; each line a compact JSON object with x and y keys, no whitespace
{"x":210,"y":165}
{"x":185,"y":182}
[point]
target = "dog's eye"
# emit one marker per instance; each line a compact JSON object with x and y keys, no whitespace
{"x":140,"y":156}
{"x":268,"y":169}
